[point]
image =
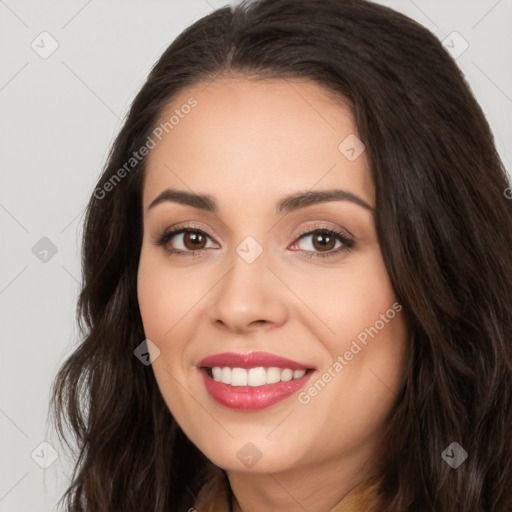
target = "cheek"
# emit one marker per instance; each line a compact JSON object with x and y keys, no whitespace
{"x":348,"y":301}
{"x":355,"y":391}
{"x":363,"y":324}
{"x":156,"y":304}
{"x":164,"y":299}
{"x":165,"y":295}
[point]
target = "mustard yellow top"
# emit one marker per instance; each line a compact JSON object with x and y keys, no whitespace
{"x":214,"y":497}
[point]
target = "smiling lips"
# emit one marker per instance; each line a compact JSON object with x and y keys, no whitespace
{"x":252,"y":381}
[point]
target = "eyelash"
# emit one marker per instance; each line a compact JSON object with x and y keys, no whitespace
{"x":348,"y":243}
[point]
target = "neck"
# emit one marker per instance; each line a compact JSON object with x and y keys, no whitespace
{"x":300,"y":489}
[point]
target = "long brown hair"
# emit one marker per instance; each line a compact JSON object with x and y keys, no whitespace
{"x":445,"y":229}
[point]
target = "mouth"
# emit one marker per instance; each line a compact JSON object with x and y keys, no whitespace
{"x":251,"y":382}
{"x":255,"y":377}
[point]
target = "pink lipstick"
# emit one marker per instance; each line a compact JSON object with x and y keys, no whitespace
{"x":254,"y":381}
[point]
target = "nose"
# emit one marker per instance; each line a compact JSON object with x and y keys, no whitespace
{"x":248,"y":297}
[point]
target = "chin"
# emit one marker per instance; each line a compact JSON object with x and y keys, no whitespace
{"x":252,"y":456}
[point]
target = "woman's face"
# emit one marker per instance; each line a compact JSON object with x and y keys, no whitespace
{"x":279,"y":343}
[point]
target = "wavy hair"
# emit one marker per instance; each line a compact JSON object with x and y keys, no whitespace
{"x":445,"y":229}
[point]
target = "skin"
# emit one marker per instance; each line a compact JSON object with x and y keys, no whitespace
{"x":248,"y":144}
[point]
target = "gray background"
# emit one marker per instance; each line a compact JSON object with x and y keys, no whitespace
{"x":59,"y":116}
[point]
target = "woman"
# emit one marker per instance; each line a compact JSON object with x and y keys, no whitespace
{"x":297,"y":278}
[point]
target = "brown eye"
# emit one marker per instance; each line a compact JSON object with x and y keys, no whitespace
{"x":194,"y":240}
{"x":320,"y":241}
{"x":323,"y":242}
{"x":185,"y":241}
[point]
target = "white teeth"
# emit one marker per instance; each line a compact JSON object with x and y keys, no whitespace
{"x":286,"y":375}
{"x":254,"y":376}
{"x":273,"y":375}
{"x":225,"y":376}
{"x":238,"y":377}
{"x":297,"y":374}
{"x":257,"y":377}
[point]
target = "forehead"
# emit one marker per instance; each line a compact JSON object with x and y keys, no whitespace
{"x":256,"y":138}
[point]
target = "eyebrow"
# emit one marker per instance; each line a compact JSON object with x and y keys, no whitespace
{"x":288,"y":204}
